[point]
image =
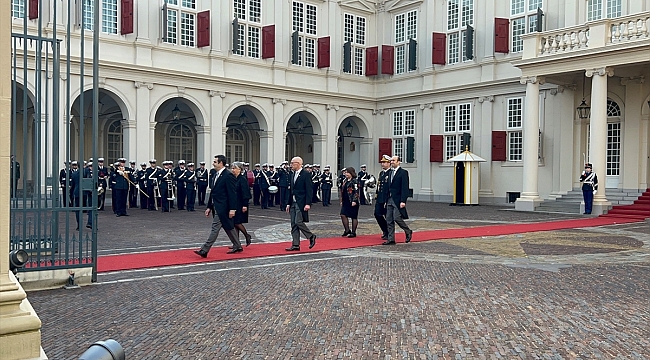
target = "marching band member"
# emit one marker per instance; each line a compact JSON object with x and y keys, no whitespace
{"x":283,"y":183}
{"x":190,"y":186}
{"x":179,"y":176}
{"x":326,"y":184}
{"x":63,"y":175}
{"x":120,"y":182}
{"x":363,"y":176}
{"x":166,"y":185}
{"x":202,"y":182}
{"x":154,"y":174}
{"x":102,"y":177}
{"x":256,"y":185}
{"x":272,"y":182}
{"x":133,"y":190}
{"x":141,"y":176}
{"x":265,"y":182}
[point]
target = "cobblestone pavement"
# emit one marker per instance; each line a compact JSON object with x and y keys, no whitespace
{"x":570,"y":294}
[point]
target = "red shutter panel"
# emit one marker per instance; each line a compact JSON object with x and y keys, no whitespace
{"x":499,"y":145}
{"x":385,"y":147}
{"x":387,"y":59}
{"x":439,"y":56}
{"x":268,"y":41}
{"x":501,"y":35}
{"x":436,"y":148}
{"x":33,"y":9}
{"x":372,"y":61}
{"x":203,"y":29}
{"x":127,"y":17}
{"x":324,"y":52}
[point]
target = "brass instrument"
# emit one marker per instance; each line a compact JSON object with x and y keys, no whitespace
{"x":169,"y":177}
{"x":126,"y":176}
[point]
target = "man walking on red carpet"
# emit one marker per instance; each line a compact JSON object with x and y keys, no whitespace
{"x":299,"y":195}
{"x":223,"y":204}
{"x":396,"y":195}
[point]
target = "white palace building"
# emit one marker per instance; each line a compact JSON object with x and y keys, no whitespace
{"x":341,"y":82}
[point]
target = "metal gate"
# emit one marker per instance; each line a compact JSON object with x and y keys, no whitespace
{"x":47,"y":194}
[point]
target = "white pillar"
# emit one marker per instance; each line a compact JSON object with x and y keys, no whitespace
{"x":266,"y":142}
{"x":203,"y":145}
{"x":216,"y":140}
{"x":424,"y":164}
{"x":320,"y":149}
{"x":143,"y":149}
{"x":130,"y":143}
{"x":152,"y":141}
{"x":275,"y":146}
{"x":598,"y":134}
{"x":483,"y":149}
{"x":332,"y":138}
{"x":530,"y":199}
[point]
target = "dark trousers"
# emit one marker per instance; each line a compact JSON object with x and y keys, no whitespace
{"x":283,"y":194}
{"x":202,"y":189}
{"x":133,"y":196}
{"x":214,"y":232}
{"x":264,"y":198}
{"x":181,"y":195}
{"x":298,"y":225}
{"x":191,"y":198}
{"x":257,"y":192}
{"x":315,"y":197}
{"x":75,"y":203}
{"x":152,"y":200}
{"x":326,"y":195}
{"x":362,"y":197}
{"x":143,"y":198}
{"x":120,"y":201}
{"x":588,"y":196}
{"x":393,"y":216}
{"x":380,"y":216}
{"x":164,"y":194}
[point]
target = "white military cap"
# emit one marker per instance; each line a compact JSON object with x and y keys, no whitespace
{"x":271,"y":165}
{"x":143,"y":164}
{"x":100,"y":160}
{"x":364,"y":165}
{"x":152,"y":161}
{"x":308,"y":166}
{"x":190,"y":164}
{"x":317,"y":165}
{"x":327,"y":167}
{"x":74,"y":162}
{"x":246,"y":164}
{"x":181,"y":161}
{"x":202,"y":163}
{"x":257,"y":165}
{"x":265,"y":165}
{"x":132,"y":162}
{"x":117,"y":163}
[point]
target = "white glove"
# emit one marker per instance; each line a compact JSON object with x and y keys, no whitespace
{"x":120,"y":172}
{"x":137,"y":186}
{"x":595,"y":191}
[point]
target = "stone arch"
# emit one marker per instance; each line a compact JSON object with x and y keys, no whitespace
{"x":199,"y":112}
{"x":260,"y":113}
{"x":317,"y":126}
{"x":364,"y":132}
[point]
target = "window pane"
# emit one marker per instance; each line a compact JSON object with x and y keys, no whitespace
{"x":311,"y":20}
{"x":18,"y":8}
{"x":191,"y":4}
{"x":450,"y":118}
{"x":515,"y":113}
{"x":594,"y":9}
{"x":409,"y":123}
{"x":464,"y":117}
{"x":450,"y":146}
{"x":310,"y":52}
{"x":361,"y":31}
{"x":613,"y":8}
{"x":298,"y":17}
{"x":240,"y":9}
{"x":253,"y":42}
{"x":613,"y":148}
{"x":358,"y":61}
{"x":348,"y":28}
{"x":467,"y":17}
{"x":515,"y":146}
{"x":171,"y":26}
{"x":532,"y":23}
{"x":109,"y":16}
{"x":411,"y":26}
{"x":518,"y":29}
{"x":187,"y":29}
{"x":399,"y":28}
{"x":400,"y":59}
{"x":255,"y":11}
{"x":87,"y":13}
{"x":453,"y":49}
{"x":533,"y":5}
{"x":241,"y":48}
{"x":398,"y":123}
{"x":517,"y":7}
{"x":398,"y":147}
{"x":452,"y":15}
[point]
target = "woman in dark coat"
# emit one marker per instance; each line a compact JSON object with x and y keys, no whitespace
{"x":243,"y":199}
{"x":350,"y":202}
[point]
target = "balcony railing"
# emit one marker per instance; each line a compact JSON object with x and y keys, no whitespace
{"x":595,"y":34}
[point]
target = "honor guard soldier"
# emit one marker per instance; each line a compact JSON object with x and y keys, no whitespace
{"x":362,"y":177}
{"x":133,"y":190}
{"x":202,"y":182}
{"x":179,"y":176}
{"x":154,"y":174}
{"x":63,"y":175}
{"x":257,"y":191}
{"x":381,"y":196}
{"x":273,"y":180}
{"x":167,"y":185}
{"x":141,"y":177}
{"x":326,"y":184}
{"x":283,"y":183}
{"x":339,"y":181}
{"x":79,"y":197}
{"x":589,"y":182}
{"x":316,"y":173}
{"x":120,"y":182}
{"x":314,"y":182}
{"x":190,"y":186}
{"x":102,"y":181}
{"x":265,"y":182}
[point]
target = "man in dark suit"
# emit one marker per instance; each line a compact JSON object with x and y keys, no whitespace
{"x":380,"y":202}
{"x":298,"y":200}
{"x":77,"y":192}
{"x":223,"y":204}
{"x":396,"y":194}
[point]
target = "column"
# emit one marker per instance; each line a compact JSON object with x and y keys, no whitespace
{"x":275,"y":146}
{"x":632,"y":159}
{"x":144,"y":149}
{"x":330,"y":128}
{"x":530,"y":199}
{"x":320,"y":149}
{"x":20,"y":334}
{"x":203,"y":145}
{"x":483,"y":126}
{"x":130,"y":143}
{"x":152,"y":141}
{"x":598,"y":134}
{"x":266,"y":142}
{"x":422,"y":155}
{"x":143,"y":40}
{"x":216,"y":140}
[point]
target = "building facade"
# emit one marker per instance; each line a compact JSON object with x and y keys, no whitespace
{"x":343,"y":82}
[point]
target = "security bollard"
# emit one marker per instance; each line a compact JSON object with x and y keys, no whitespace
{"x":104,"y":350}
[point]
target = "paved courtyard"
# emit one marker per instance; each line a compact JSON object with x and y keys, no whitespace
{"x":569,"y":294}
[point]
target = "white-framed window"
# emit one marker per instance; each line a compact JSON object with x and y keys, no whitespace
{"x":181,"y":142}
{"x":515,"y":118}
{"x":181,"y":22}
{"x":235,"y":141}
{"x":523,"y":14}
{"x":460,"y":14}
{"x":304,"y":22}
{"x":354,"y":31}
{"x":114,"y":140}
{"x":599,"y":9}
{"x":249,"y":21}
{"x":18,"y":9}
{"x":405,"y":29}
{"x":457,"y":121}
{"x":403,"y":128}
{"x":109,"y":14}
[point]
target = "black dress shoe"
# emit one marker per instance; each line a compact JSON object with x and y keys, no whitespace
{"x":89,"y":226}
{"x":235,"y":251}
{"x":388,"y":243}
{"x":293,"y":248}
{"x":248,"y":239}
{"x":312,"y":241}
{"x":351,"y":235}
{"x":409,"y":235}
{"x":201,"y":253}
{"x":346,"y":233}
{"x":384,"y":237}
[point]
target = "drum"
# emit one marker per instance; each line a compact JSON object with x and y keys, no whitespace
{"x":273,"y":189}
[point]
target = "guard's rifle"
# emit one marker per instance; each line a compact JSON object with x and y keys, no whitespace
{"x":125,"y":174}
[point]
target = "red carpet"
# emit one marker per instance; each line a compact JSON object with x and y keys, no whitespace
{"x":639,"y":210}
{"x":182,"y":257}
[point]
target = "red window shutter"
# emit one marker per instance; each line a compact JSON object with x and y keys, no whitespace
{"x":268,"y":41}
{"x":436,"y":146}
{"x":33,"y":9}
{"x":324,"y":52}
{"x":385,"y":147}
{"x":501,"y":35}
{"x":372,"y":61}
{"x":499,"y":145}
{"x":387,"y":59}
{"x":203,"y":29}
{"x":127,"y":17}
{"x":439,"y":56}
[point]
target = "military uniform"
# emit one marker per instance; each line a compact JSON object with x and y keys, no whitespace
{"x":381,"y":198}
{"x":362,"y":177}
{"x":153,"y":176}
{"x":202,"y":182}
{"x":102,"y":182}
{"x":283,"y":184}
{"x":326,"y":184}
{"x":64,"y":176}
{"x":257,"y":191}
{"x":133,"y":190}
{"x":179,"y":176}
{"x":589,"y":182}
{"x":190,"y":186}
{"x":141,"y":177}
{"x":120,"y":186}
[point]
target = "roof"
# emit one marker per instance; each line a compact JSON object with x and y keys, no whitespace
{"x":466,"y":156}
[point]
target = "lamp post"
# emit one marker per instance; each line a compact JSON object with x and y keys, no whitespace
{"x":242,"y":119}
{"x":583,"y":110}
{"x":176,"y":113}
{"x":349,"y":128}
{"x":300,"y":125}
